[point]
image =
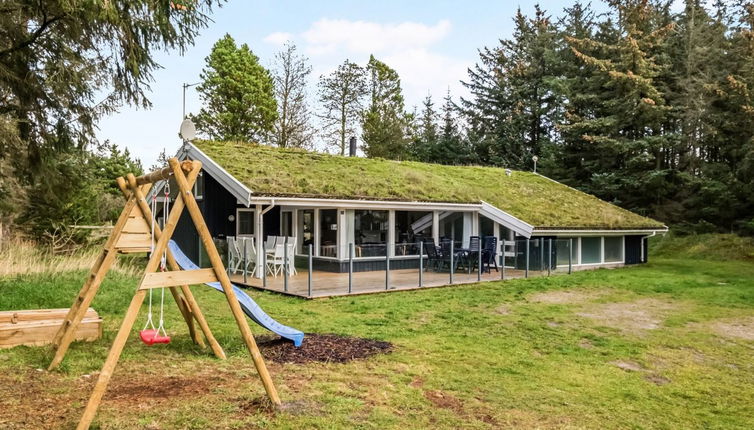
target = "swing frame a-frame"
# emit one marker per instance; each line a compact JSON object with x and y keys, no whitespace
{"x":131,"y":234}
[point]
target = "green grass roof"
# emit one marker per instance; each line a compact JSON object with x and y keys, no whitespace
{"x":539,"y":201}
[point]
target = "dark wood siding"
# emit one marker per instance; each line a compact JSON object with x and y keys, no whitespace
{"x":633,"y":247}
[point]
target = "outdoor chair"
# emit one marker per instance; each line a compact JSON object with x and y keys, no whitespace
{"x":489,"y":253}
{"x":276,"y":260}
{"x":249,"y":253}
{"x":445,"y":253}
{"x":434,"y":259}
{"x":234,"y":255}
{"x":269,"y":244}
{"x":472,"y":255}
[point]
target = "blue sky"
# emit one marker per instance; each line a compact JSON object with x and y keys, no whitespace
{"x":430,"y":44}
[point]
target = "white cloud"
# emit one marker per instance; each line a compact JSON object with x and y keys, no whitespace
{"x":362,"y":37}
{"x":278,"y":38}
{"x":414,"y":49}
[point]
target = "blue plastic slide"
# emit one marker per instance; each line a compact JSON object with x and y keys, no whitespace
{"x":249,"y":306}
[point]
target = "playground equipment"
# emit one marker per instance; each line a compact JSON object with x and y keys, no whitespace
{"x":132,"y":233}
{"x":37,"y":327}
{"x":249,"y":306}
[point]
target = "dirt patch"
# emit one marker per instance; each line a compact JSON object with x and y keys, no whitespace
{"x":566,"y":297}
{"x":159,"y":388}
{"x":503,"y":310}
{"x":631,"y":317}
{"x":628,"y":366}
{"x":657,"y":379}
{"x":444,"y":400}
{"x":586,"y":344}
{"x":326,"y":348}
{"x":738,"y":329}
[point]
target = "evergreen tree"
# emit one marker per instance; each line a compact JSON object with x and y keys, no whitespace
{"x":237,"y":94}
{"x":514,"y":105}
{"x":426,"y":134}
{"x":385,"y":122}
{"x":340,"y":96}
{"x":290,"y":74}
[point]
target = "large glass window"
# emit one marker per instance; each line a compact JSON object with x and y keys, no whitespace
{"x":591,"y":250}
{"x":328,"y":233}
{"x":563,"y":250}
{"x":409,"y":226}
{"x":245,"y":222}
{"x":451,"y":227}
{"x":370,"y":232}
{"x":306,"y":229}
{"x":613,"y":249}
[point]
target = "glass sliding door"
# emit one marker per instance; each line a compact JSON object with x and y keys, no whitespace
{"x":305,"y":229}
{"x":370,"y":232}
{"x":328,"y":232}
{"x":591,"y":250}
{"x":409,"y":227}
{"x":613,"y":249}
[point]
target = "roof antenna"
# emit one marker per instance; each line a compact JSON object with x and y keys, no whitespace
{"x":535,"y":159}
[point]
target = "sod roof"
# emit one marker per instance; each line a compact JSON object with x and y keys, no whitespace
{"x":532,"y":198}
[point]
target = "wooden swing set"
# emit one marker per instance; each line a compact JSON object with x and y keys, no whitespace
{"x":134,"y":232}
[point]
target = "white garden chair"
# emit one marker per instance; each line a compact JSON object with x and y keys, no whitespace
{"x":276,"y":260}
{"x":249,"y":251}
{"x":234,"y":255}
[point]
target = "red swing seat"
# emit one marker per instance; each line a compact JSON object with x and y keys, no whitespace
{"x":152,"y":336}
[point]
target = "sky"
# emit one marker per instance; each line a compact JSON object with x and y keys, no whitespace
{"x":430,"y":43}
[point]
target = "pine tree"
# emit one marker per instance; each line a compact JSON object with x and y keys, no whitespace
{"x":514,"y":105}
{"x":290,"y":74}
{"x":385,"y":122}
{"x":237,"y":94}
{"x":340,"y":96}
{"x":426,"y":134}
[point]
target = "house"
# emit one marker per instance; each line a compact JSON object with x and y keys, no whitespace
{"x":380,"y":207}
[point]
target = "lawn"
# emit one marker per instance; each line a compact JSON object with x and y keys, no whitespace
{"x":665,"y":345}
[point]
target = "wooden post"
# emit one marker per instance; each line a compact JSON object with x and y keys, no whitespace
{"x":222,"y":276}
{"x":67,"y":331}
{"x":133,"y":309}
{"x":193,"y":310}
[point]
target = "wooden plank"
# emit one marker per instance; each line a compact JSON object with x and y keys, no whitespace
{"x":15,"y":317}
{"x":134,"y":240}
{"x":137,"y":225}
{"x":185,"y":187}
{"x":42,"y":332}
{"x":177,"y":278}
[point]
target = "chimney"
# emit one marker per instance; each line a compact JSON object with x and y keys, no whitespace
{"x":352,"y":146}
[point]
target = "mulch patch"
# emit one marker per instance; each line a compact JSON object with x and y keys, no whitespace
{"x":325,"y":348}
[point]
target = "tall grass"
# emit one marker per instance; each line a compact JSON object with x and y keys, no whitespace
{"x":716,"y":247}
{"x":20,"y":256}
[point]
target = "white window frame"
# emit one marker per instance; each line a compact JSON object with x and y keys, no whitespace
{"x":238,"y":221}
{"x":622,"y":250}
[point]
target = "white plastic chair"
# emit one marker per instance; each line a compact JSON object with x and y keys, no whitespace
{"x":276,"y":260}
{"x":234,"y":255}
{"x":269,"y":244}
{"x":250,"y":254}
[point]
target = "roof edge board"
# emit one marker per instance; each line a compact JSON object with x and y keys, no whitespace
{"x":507,"y":220}
{"x":228,"y":181}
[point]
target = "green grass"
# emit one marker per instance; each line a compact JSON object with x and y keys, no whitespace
{"x":718,"y":247}
{"x":530,"y":197}
{"x":495,"y":356}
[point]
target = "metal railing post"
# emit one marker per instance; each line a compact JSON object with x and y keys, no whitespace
{"x":541,"y":254}
{"x":570,"y":256}
{"x":245,"y":262}
{"x":387,"y":268}
{"x":264,"y":266}
{"x":452,"y":255}
{"x":350,"y":267}
{"x":285,"y":264}
{"x":526,"y":272}
{"x":309,"y":284}
{"x":549,"y":257}
{"x":479,"y":262}
{"x":421,"y":263}
{"x":502,"y":264}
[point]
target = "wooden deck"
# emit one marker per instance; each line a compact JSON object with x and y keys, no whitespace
{"x":328,"y":284}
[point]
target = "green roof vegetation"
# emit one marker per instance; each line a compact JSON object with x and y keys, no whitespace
{"x":537,"y":200}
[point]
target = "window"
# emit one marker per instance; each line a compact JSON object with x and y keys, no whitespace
{"x":370,"y":233}
{"x":591,"y":250}
{"x":613,"y":249}
{"x":286,"y":223}
{"x":562,"y":247}
{"x":406,"y":236}
{"x":244,"y":222}
{"x":306,"y":229}
{"x":451,"y":227}
{"x":328,"y":233}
